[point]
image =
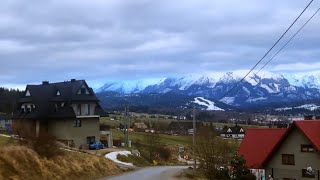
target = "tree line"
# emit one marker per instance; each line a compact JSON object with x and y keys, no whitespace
{"x":8,"y":99}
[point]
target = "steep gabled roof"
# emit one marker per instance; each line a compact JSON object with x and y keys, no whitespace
{"x":233,"y":130}
{"x":311,"y":129}
{"x":44,"y":97}
{"x":258,"y":144}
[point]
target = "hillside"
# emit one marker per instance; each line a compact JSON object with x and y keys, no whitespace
{"x":19,"y":162}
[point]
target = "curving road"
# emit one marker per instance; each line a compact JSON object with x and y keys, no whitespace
{"x":151,"y":173}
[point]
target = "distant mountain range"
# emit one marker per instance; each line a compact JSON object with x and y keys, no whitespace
{"x":263,"y":89}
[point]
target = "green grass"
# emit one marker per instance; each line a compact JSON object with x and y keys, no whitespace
{"x":135,"y":160}
{"x":5,"y":140}
{"x":166,"y":139}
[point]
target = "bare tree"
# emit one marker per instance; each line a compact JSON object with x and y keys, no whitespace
{"x":213,"y":153}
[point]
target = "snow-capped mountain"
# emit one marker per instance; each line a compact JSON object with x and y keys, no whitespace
{"x":262,"y":88}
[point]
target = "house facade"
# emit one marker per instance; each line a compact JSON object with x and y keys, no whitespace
{"x":68,"y":110}
{"x":285,"y":154}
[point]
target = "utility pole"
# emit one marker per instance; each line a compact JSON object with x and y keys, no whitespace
{"x":125,"y":125}
{"x":128,"y":125}
{"x":194,"y":138}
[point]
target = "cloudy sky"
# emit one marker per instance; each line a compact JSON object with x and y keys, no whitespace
{"x":100,"y":40}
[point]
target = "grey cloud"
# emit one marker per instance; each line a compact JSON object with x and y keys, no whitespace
{"x":122,"y":39}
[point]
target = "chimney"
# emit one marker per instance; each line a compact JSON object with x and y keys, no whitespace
{"x":45,"y":82}
{"x":73,"y":80}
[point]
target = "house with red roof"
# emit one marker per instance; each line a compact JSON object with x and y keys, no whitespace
{"x":285,"y":154}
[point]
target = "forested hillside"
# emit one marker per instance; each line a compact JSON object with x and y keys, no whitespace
{"x":8,"y":98}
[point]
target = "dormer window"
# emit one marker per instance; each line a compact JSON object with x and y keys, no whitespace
{"x":229,"y":130}
{"x":241,"y":130}
{"x":83,"y":90}
{"x":58,"y":93}
{"x":28,"y":93}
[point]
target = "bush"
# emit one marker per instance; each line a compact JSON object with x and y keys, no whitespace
{"x":164,"y":153}
{"x":45,"y":145}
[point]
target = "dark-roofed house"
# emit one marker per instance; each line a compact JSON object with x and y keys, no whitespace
{"x":236,"y":132}
{"x":67,"y":110}
{"x":285,"y":154}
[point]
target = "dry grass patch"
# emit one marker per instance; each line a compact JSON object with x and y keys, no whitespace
{"x":20,"y":162}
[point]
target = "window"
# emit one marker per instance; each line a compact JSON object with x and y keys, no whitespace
{"x":58,"y":93}
{"x":88,"y":109}
{"x":77,"y":123}
{"x":288,"y":159}
{"x":83,"y":90}
{"x":308,"y":173}
{"x":306,"y":148}
{"x":79,"y":109}
{"x":28,"y":93}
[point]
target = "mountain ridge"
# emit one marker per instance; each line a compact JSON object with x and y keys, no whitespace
{"x":264,"y":88}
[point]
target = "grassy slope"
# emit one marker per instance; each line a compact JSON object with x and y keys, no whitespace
{"x":20,"y":162}
{"x":167,"y":139}
{"x":4,"y":140}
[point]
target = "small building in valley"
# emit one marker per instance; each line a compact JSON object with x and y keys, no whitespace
{"x":68,"y":110}
{"x":235,"y":132}
{"x":139,"y":127}
{"x":182,"y":127}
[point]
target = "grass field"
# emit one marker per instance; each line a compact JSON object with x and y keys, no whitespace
{"x":166,"y":139}
{"x":114,"y":121}
{"x":6,"y":140}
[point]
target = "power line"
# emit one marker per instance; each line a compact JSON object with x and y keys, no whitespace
{"x":284,"y":46}
{"x":267,"y":51}
{"x":288,"y":41}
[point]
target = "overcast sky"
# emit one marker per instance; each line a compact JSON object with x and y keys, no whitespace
{"x":100,"y":40}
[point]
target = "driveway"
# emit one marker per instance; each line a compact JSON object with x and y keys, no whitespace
{"x":151,"y":173}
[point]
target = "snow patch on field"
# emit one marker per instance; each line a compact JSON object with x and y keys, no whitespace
{"x":4,"y":135}
{"x":113,"y":157}
{"x":205,"y":102}
{"x":310,"y":107}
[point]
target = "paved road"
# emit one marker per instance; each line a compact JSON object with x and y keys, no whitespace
{"x":151,"y":173}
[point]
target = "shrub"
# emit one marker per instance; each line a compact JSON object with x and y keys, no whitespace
{"x":164,"y":153}
{"x":45,"y":145}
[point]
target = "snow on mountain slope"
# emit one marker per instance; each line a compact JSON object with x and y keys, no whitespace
{"x":131,"y":86}
{"x":228,"y":100}
{"x":310,"y":107}
{"x":209,"y":104}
